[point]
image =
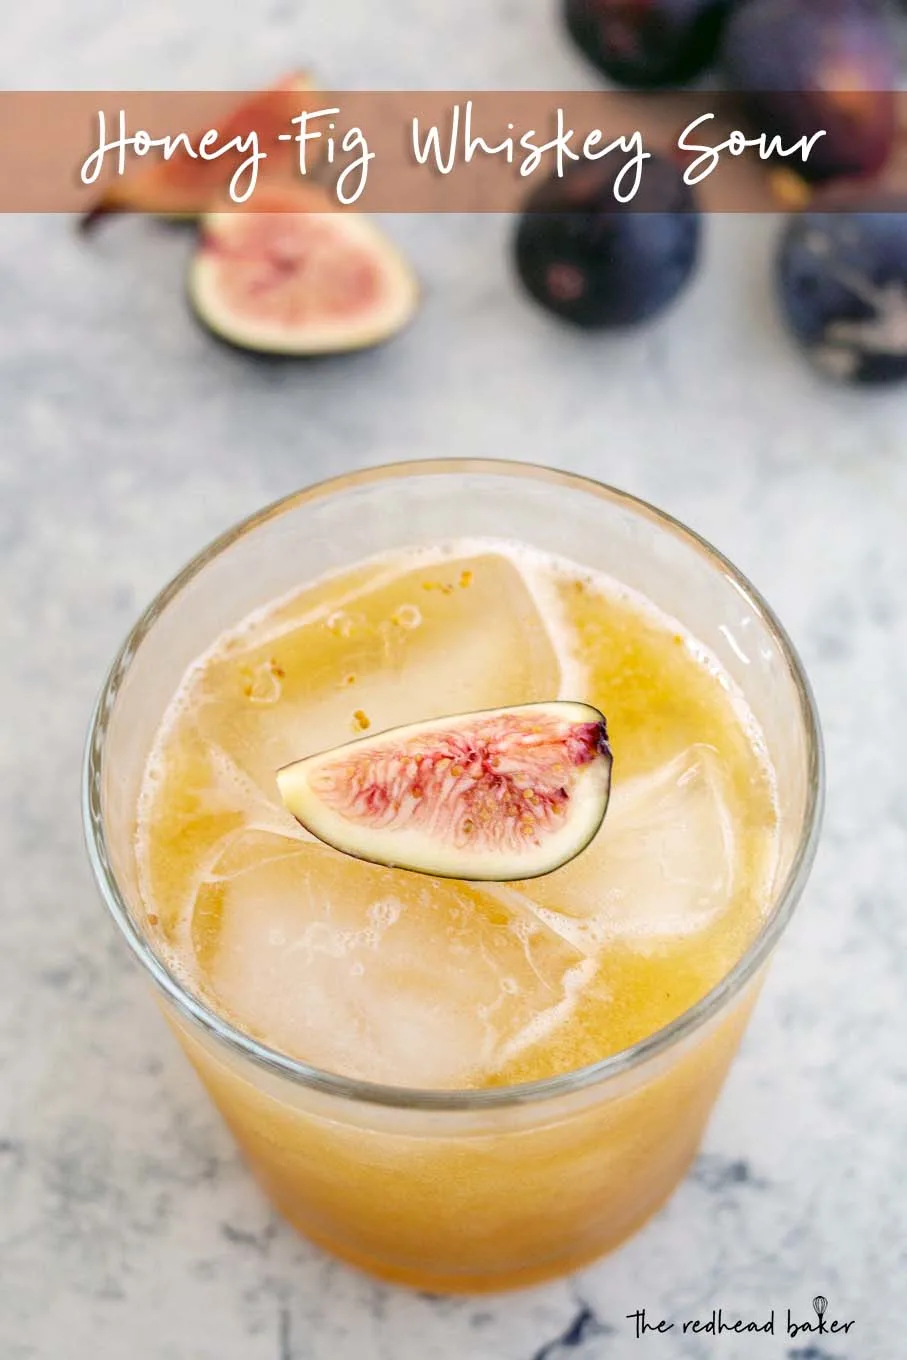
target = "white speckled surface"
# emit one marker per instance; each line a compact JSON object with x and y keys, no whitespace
{"x":128,"y":1226}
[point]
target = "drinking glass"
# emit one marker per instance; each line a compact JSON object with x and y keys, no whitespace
{"x":471,"y":1189}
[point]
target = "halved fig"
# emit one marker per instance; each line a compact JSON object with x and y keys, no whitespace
{"x":505,"y":794}
{"x":299,"y":276}
{"x":183,"y":187}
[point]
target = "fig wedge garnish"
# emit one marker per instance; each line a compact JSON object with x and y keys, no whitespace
{"x":500,"y":795}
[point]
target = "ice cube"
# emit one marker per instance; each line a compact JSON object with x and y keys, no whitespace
{"x":200,"y":804}
{"x":447,"y":638}
{"x":662,"y":865}
{"x":377,"y":974}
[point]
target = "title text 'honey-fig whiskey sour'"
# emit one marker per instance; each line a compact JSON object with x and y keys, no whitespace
{"x":593,"y":834}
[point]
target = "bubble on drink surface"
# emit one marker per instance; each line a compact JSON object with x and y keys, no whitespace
{"x":408,"y":616}
{"x":341,"y":623}
{"x":261,"y":684}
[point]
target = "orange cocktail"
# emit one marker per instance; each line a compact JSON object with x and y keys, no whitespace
{"x":447,"y":1082}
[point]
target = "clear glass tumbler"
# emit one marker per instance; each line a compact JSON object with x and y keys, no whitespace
{"x":463,"y":1190}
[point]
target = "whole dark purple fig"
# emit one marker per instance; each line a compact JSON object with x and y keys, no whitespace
{"x":804,"y":66}
{"x":648,"y":43}
{"x":842,"y":278}
{"x":597,"y":262}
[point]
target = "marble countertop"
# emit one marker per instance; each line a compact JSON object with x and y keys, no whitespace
{"x":128,"y":1226}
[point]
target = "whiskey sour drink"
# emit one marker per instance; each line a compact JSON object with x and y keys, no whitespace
{"x":412,"y":979}
{"x":455,"y":809}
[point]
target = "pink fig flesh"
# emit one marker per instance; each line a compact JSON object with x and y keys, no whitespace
{"x":500,"y":795}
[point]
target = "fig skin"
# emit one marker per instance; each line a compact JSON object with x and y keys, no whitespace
{"x":648,"y":44}
{"x":800,"y":66}
{"x":497,"y":796}
{"x":267,"y":254}
{"x":598,"y":263}
{"x":842,"y":284}
{"x":181,"y":189}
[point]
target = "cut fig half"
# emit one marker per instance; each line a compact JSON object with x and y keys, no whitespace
{"x":496,"y":796}
{"x":183,"y":186}
{"x":298,"y":276}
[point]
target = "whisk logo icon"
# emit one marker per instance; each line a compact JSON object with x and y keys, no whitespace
{"x":821,"y":1325}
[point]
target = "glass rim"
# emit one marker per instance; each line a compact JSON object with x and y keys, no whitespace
{"x":595,"y":1074}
